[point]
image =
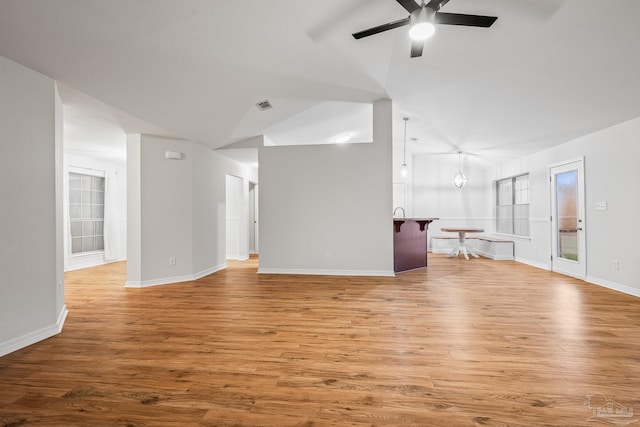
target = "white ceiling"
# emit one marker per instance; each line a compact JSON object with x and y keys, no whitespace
{"x":546,"y":72}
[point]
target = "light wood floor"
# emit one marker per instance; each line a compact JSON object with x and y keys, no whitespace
{"x":463,"y":343}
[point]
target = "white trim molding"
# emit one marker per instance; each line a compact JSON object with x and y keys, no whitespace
{"x":209,"y":271}
{"x":533,"y":263}
{"x":35,"y":336}
{"x":613,"y":286}
{"x":629,"y":290}
{"x":91,"y":263}
{"x":376,"y":273}
{"x":172,"y":280}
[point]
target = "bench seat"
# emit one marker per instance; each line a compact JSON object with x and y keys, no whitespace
{"x":496,"y":248}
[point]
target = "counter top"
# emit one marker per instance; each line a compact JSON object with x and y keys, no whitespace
{"x":415,"y":219}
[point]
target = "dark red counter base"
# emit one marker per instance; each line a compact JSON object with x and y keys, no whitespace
{"x":410,"y":243}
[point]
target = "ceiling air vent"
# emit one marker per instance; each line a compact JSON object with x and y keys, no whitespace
{"x":264,"y":105}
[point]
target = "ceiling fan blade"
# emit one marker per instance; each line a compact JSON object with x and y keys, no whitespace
{"x":436,"y":4}
{"x":416,"y":48}
{"x":409,"y":5}
{"x":381,"y":28}
{"x":462,"y":19}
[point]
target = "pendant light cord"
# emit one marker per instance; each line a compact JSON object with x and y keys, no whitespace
{"x":404,"y":154}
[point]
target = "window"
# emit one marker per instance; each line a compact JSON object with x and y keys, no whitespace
{"x":86,"y":212}
{"x":512,"y":205}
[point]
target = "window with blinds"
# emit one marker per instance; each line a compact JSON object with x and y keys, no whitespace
{"x":86,"y":213}
{"x":512,"y":205}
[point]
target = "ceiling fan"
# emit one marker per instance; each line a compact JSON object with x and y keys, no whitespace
{"x":422,"y":19}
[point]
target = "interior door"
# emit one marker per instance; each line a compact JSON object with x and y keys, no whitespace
{"x":568,"y":252}
{"x":253,"y":218}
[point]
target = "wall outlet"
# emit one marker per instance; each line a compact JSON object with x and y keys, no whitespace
{"x":172,"y":260}
{"x":328,"y":255}
{"x":615,"y":265}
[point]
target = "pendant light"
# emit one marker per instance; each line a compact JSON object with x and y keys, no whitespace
{"x":403,"y":169}
{"x":459,"y":180}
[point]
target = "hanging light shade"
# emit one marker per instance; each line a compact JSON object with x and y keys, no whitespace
{"x":459,"y":180}
{"x":404,"y":170}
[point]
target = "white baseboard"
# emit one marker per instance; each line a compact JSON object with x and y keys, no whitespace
{"x":589,"y":279}
{"x":35,"y":336}
{"x":209,"y":271}
{"x":440,"y":250}
{"x":495,"y":257}
{"x":236,"y":257}
{"x":170,"y":280}
{"x":376,"y":273}
{"x":613,"y":286}
{"x":533,"y":263}
{"x":89,"y":264}
{"x":569,"y":273}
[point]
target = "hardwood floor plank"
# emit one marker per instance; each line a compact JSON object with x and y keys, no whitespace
{"x":478,"y":343}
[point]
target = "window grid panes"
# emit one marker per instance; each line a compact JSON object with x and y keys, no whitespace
{"x":504,"y":208}
{"x":512,"y":205}
{"x":86,"y":212}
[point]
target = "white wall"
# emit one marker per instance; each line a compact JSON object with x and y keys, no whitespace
{"x":165,"y":206}
{"x":611,"y":175}
{"x":59,"y":217}
{"x":327,"y":209}
{"x":176,"y":209}
{"x":118,"y":172}
{"x":134,"y":209}
{"x":31,"y":299}
{"x":209,"y":208}
{"x":434,"y":195}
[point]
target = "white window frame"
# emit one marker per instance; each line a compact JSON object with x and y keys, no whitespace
{"x":517,"y":195}
{"x":88,"y":172}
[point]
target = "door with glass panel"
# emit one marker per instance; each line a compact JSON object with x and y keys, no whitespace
{"x":567,"y":219}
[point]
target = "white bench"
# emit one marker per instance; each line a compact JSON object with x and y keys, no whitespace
{"x":487,"y":246}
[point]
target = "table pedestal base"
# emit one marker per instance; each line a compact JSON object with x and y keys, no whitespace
{"x":463,"y":247}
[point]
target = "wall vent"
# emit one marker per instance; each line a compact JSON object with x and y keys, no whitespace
{"x":264,"y":105}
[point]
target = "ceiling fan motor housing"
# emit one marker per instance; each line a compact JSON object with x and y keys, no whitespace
{"x":422,"y":14}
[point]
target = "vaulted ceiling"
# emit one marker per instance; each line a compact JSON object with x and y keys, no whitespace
{"x":546,"y":72}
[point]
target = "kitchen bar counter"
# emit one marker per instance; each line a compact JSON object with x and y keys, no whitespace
{"x":410,"y":243}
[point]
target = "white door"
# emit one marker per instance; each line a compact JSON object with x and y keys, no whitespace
{"x":253,"y":218}
{"x":234,"y":207}
{"x":568,"y":252}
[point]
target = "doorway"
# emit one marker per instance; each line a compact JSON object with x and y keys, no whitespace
{"x":253,"y":218}
{"x":568,"y":245}
{"x":235,"y":238}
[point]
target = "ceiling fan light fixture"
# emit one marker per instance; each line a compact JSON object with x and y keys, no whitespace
{"x":421,"y":24}
{"x":422,"y":20}
{"x":421,"y":31}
